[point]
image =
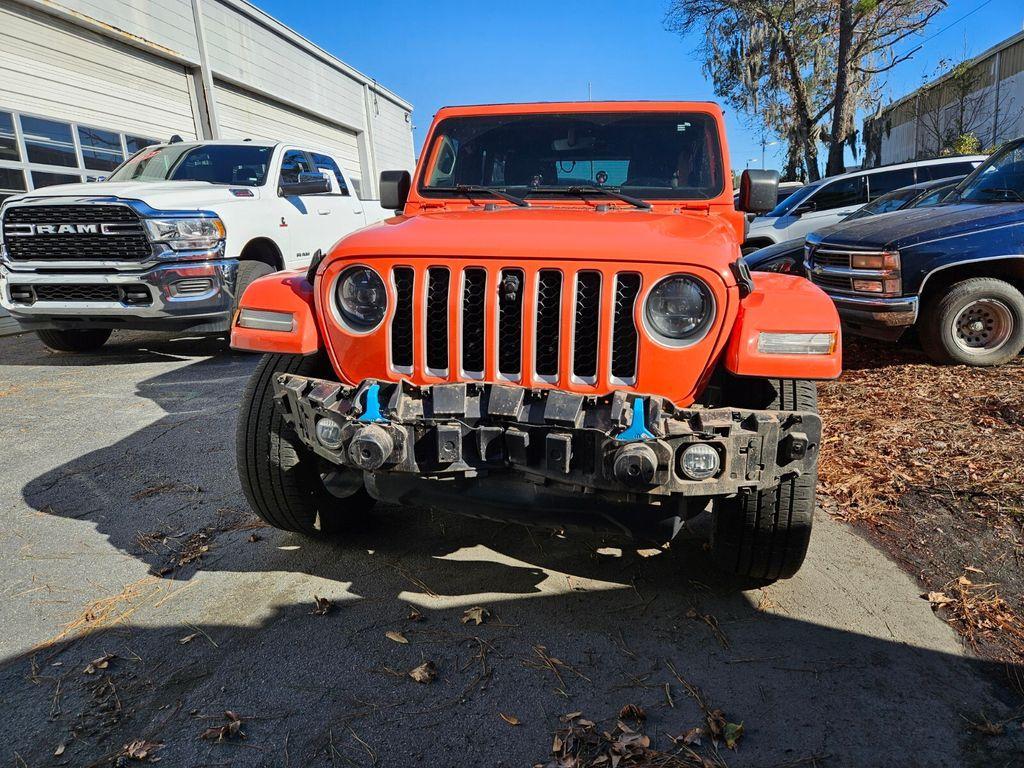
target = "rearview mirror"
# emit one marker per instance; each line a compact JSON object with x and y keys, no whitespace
{"x":308,"y":184}
{"x":394,"y":189}
{"x":759,"y":191}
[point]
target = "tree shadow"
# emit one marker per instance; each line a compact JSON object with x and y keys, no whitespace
{"x":225,"y":622}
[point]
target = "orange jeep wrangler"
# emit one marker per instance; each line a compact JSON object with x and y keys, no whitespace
{"x":555,"y":328}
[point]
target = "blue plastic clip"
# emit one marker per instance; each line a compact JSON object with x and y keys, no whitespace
{"x":637,"y":429}
{"x":371,"y":413}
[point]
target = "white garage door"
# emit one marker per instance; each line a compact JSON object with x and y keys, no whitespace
{"x":53,"y":69}
{"x":242,"y":114}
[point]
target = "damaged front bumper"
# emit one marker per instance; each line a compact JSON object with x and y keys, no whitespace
{"x":538,"y":447}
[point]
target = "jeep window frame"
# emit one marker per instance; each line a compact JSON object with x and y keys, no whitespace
{"x":712,"y":127}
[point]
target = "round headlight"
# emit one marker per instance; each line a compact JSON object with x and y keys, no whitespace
{"x":680,"y":308}
{"x":361,"y":297}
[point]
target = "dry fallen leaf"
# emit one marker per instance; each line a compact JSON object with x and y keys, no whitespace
{"x":937,"y":599}
{"x":140,"y":749}
{"x":569,"y":717}
{"x":477,"y":615}
{"x":693,"y":736}
{"x":414,"y":615}
{"x":229,"y":730}
{"x":321,"y":606}
{"x":733,"y":732}
{"x":60,"y":749}
{"x":188,"y":638}
{"x":101,"y":663}
{"x":424,"y":673}
{"x":632,"y":712}
{"x":510,"y":719}
{"x":398,"y":637}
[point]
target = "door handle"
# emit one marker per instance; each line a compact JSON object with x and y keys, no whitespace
{"x":324,"y":211}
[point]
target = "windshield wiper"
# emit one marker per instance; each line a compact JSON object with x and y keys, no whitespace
{"x":588,"y":190}
{"x":470,"y":189}
{"x":1005,"y":192}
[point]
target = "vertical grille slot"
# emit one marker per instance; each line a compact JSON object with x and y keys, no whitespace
{"x":401,"y":324}
{"x":510,"y":323}
{"x":474,"y":291}
{"x":624,"y":336}
{"x":549,"y":319}
{"x":436,"y":330}
{"x":586,"y":325}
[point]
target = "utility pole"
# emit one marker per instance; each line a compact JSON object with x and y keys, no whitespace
{"x":590,"y":91}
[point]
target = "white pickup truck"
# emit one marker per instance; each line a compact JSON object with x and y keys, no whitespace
{"x":170,"y":239}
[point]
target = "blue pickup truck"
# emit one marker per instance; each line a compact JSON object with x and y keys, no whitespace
{"x":955,"y":270}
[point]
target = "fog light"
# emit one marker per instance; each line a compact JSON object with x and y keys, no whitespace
{"x":700,"y":461}
{"x":328,"y":432}
{"x":265,"y":320}
{"x":796,"y":343}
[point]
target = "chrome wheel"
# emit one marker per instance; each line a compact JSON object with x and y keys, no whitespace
{"x":982,"y":326}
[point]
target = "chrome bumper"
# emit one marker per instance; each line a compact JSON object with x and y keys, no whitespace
{"x":167,"y":306}
{"x":885,"y":319}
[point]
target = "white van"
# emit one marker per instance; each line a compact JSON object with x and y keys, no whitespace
{"x":830,"y":200}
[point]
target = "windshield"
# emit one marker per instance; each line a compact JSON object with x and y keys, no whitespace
{"x":999,"y":180}
{"x":791,"y":202}
{"x":243,"y":164}
{"x":653,"y":155}
{"x":886,"y":203}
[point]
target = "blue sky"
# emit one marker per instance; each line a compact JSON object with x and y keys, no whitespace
{"x":459,"y":52}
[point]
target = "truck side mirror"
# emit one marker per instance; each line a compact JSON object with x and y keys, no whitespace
{"x":759,"y":191}
{"x":394,"y":189}
{"x":807,"y":207}
{"x":308,"y":184}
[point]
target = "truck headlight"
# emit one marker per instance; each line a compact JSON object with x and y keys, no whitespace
{"x":679,"y":309}
{"x":186,"y":233}
{"x":361,"y":298}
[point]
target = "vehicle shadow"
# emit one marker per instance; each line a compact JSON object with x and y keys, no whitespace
{"x":225,"y":621}
{"x":123,"y":348}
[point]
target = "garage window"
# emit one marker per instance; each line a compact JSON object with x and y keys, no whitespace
{"x":8,"y":141}
{"x":134,"y":143}
{"x":49,"y":179}
{"x":48,"y":142}
{"x":101,"y":150}
{"x":12,"y":181}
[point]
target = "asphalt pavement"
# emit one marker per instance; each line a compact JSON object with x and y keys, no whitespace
{"x":141,"y":600}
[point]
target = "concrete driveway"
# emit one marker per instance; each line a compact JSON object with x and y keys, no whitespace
{"x":125,"y":542}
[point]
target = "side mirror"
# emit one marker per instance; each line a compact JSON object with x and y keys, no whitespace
{"x":394,"y":189}
{"x":809,"y":207}
{"x":308,"y":184}
{"x":759,"y":191}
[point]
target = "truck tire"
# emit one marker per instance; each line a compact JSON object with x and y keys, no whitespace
{"x":249,"y":272}
{"x":83,"y":340}
{"x":979,"y":321}
{"x":763,"y":537}
{"x":279,"y":475}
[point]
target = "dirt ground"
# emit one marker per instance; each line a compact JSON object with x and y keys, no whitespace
{"x":148,"y":615}
{"x":929,"y":462}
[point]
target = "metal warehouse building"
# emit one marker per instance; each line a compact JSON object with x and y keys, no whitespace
{"x":988,"y":100}
{"x":85,"y":83}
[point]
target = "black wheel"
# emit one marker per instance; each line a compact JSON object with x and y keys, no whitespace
{"x":979,"y":321}
{"x":763,"y":537}
{"x":248,"y":272}
{"x":84,"y":340}
{"x":280,"y":477}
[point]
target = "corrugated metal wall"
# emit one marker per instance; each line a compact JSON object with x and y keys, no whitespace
{"x":53,"y":68}
{"x":908,"y":129}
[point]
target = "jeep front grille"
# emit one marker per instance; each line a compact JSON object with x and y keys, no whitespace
{"x":125,"y":239}
{"x":546,"y":325}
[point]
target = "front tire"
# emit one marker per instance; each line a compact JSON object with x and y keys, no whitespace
{"x":979,"y":321}
{"x":764,"y":536}
{"x":83,"y":340}
{"x":279,"y":475}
